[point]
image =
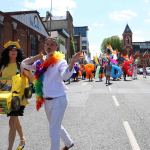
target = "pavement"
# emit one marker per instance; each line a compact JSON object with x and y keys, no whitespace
{"x":98,"y":117}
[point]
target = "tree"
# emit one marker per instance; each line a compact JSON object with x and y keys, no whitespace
{"x":72,"y":45}
{"x":114,"y":41}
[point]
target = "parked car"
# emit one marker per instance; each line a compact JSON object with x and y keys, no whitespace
{"x":148,"y":70}
{"x":140,"y":70}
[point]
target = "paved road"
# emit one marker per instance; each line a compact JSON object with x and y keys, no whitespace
{"x":98,"y":117}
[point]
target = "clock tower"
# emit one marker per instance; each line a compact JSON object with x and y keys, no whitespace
{"x":127,"y":41}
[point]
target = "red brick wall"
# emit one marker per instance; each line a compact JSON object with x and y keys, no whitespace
{"x":7,"y":32}
{"x":22,"y":33}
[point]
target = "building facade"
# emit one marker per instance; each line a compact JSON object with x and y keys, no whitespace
{"x":65,"y":23}
{"x":139,"y":50}
{"x":60,"y":35}
{"x":127,"y":41}
{"x":83,"y":32}
{"x":25,"y":27}
{"x":142,"y":50}
{"x":77,"y":43}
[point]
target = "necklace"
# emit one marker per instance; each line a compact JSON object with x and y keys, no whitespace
{"x":39,"y":75}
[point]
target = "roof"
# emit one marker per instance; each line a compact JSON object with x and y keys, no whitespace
{"x":19,"y":13}
{"x":62,"y":32}
{"x":22,"y":12}
{"x":127,"y":29}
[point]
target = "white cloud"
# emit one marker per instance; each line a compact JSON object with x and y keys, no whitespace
{"x":123,"y":15}
{"x":138,"y":38}
{"x":95,"y":26}
{"x":139,"y":35}
{"x":147,"y":20}
{"x":146,"y":1}
{"x":59,"y":7}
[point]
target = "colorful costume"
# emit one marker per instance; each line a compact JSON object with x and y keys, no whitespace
{"x":89,"y":68}
{"x":51,"y":90}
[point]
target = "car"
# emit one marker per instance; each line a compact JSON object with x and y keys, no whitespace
{"x":12,"y":92}
{"x":140,"y":70}
{"x":148,"y":70}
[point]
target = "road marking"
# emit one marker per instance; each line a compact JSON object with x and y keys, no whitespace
{"x":115,"y":101}
{"x":110,"y":89}
{"x":131,"y":136}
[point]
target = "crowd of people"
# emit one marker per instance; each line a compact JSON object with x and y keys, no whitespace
{"x":50,"y":71}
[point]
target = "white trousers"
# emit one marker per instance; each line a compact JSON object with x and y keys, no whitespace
{"x":55,"y":111}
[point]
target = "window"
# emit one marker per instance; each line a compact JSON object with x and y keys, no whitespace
{"x":83,"y":47}
{"x":84,"y":42}
{"x":34,"y":44}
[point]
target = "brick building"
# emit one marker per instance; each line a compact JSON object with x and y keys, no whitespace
{"x":136,"y":49}
{"x":78,"y":43}
{"x":25,"y":26}
{"x":127,"y":41}
{"x":65,"y":23}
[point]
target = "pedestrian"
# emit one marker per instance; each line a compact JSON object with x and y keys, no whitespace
{"x":144,"y":71}
{"x":76,"y":72}
{"x":10,"y":60}
{"x":89,"y":68}
{"x":83,"y":72}
{"x":101,"y":73}
{"x":108,"y":68}
{"x":50,"y":74}
{"x":135,"y":68}
{"x":124,"y":72}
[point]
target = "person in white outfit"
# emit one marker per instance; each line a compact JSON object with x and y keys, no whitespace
{"x":54,"y":92}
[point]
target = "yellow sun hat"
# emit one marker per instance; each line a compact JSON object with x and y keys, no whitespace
{"x":12,"y":43}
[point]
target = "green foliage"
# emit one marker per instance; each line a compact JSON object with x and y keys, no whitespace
{"x":72,"y":46}
{"x":114,"y":41}
{"x":59,"y":41}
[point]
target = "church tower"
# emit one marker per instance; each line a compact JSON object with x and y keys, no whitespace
{"x":127,"y":41}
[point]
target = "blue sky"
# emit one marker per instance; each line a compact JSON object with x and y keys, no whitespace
{"x":104,"y":18}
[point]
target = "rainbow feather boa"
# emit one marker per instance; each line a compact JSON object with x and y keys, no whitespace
{"x":39,"y":74}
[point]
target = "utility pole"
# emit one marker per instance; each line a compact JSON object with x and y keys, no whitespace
{"x":49,"y":16}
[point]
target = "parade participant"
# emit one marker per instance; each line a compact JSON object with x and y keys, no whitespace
{"x":51,"y":90}
{"x":10,"y":60}
{"x":108,"y":68}
{"x":144,"y":71}
{"x":101,"y":73}
{"x":83,"y":73}
{"x":124,"y":72}
{"x":135,"y":68}
{"x":89,"y":68}
{"x":76,"y":72}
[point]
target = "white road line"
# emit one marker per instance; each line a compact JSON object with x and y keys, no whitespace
{"x":110,"y":89}
{"x":115,"y":101}
{"x":131,"y":136}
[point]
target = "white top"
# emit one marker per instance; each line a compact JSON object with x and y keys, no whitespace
{"x":54,"y":77}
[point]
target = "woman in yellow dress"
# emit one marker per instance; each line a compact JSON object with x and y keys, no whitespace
{"x":10,"y":60}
